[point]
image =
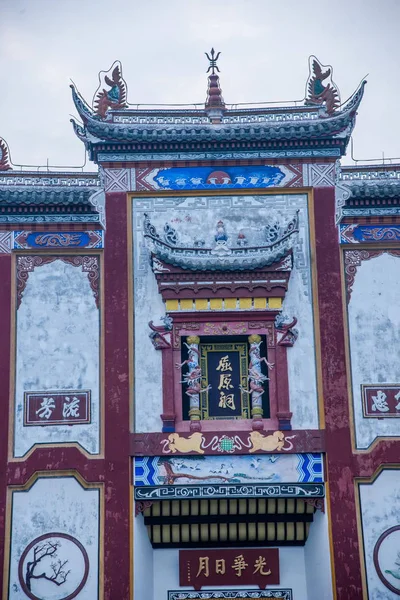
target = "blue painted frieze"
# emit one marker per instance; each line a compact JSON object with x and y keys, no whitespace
{"x":57,"y":239}
{"x":211,"y":178}
{"x":238,"y":469}
{"x":354,"y":233}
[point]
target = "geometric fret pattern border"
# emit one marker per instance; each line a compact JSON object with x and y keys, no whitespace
{"x":167,"y":492}
{"x":282,"y":594}
{"x":5,"y":242}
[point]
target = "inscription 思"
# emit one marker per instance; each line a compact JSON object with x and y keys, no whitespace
{"x":381,"y":400}
{"x":70,"y":407}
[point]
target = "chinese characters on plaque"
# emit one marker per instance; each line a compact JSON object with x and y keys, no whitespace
{"x":70,"y":407}
{"x":198,"y":568}
{"x":381,"y":400}
{"x":224,"y":369}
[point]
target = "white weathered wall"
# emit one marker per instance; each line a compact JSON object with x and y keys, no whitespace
{"x":197,"y":216}
{"x":380,"y":509}
{"x":374,"y":333}
{"x":143,"y":559}
{"x":317,"y":559}
{"x":58,"y":333}
{"x":292,"y":573}
{"x":59,"y":505}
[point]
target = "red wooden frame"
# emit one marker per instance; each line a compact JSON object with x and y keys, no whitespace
{"x":227,"y":323}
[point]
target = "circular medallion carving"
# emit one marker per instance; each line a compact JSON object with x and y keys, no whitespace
{"x":387,"y":559}
{"x":53,"y":565}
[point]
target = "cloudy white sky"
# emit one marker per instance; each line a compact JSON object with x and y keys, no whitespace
{"x":265,"y":46}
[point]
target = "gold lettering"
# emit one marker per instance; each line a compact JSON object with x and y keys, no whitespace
{"x":203,"y":566}
{"x":220,"y":566}
{"x":224,"y":364}
{"x":227,"y":401}
{"x":225,"y":382}
{"x":239,"y":565}
{"x":259,"y":566}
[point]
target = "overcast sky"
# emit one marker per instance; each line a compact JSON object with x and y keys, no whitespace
{"x":265,"y":46}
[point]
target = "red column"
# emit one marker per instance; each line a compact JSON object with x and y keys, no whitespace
{"x":5,"y":323}
{"x":338,"y":441}
{"x":117,"y":561}
{"x":284,"y":413}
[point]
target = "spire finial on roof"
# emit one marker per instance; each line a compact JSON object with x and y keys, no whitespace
{"x":213,"y":61}
{"x":215,"y":104}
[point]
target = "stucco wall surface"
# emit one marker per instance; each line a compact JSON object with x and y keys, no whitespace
{"x":374,"y":334}
{"x":56,"y":505}
{"x":57,"y":348}
{"x":380,"y":509}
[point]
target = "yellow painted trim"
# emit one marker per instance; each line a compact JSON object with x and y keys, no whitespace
{"x":216,"y":303}
{"x":363,"y":570}
{"x":186,"y":304}
{"x":260,"y":303}
{"x":245,"y":303}
{"x":230,"y":303}
{"x":201,"y":304}
{"x":13,"y":344}
{"x":131,"y":312}
{"x":275,"y":303}
{"x":347,"y":351}
{"x":171,"y":305}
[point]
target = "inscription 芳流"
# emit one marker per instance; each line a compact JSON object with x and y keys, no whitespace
{"x":70,"y":407}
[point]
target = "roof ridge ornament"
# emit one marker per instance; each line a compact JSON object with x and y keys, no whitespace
{"x":213,"y":61}
{"x":215,"y":105}
{"x":320,"y":87}
{"x":112,"y":90}
{"x":5,"y":160}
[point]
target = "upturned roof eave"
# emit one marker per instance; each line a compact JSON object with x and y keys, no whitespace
{"x":95,"y":130}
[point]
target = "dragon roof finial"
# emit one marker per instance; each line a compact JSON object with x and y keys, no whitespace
{"x":115,"y":97}
{"x":320,"y":88}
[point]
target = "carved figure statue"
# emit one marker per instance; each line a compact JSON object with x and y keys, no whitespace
{"x":193,"y":379}
{"x":255,"y":376}
{"x":220,"y":234}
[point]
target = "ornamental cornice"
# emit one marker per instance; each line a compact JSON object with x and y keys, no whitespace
{"x":266,"y":246}
{"x":375,"y":188}
{"x":45,"y":196}
{"x":268,"y":125}
{"x":34,"y":179}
